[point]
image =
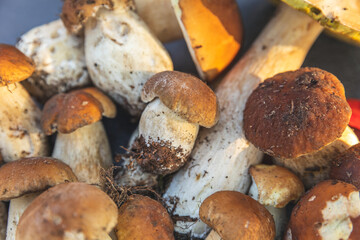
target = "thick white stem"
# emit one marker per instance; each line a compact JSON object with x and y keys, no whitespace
{"x":86,"y":151}
{"x":315,"y":167}
{"x":3,"y":220}
{"x":20,"y":131}
{"x":16,"y":209}
{"x":222,"y":156}
{"x":213,"y":235}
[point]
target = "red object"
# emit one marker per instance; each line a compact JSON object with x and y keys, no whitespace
{"x":355,"y":117}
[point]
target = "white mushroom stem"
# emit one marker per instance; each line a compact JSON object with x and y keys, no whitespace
{"x":3,"y":220}
{"x":160,"y":17}
{"x":122,"y":54}
{"x":213,"y":235}
{"x":16,"y":209}
{"x":222,"y":155}
{"x":279,"y":214}
{"x":59,"y":58}
{"x":20,"y":131}
{"x":86,"y":151}
{"x":313,"y":168}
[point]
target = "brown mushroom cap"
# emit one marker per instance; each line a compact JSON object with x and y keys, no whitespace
{"x":68,"y":211}
{"x":323,"y":209}
{"x":67,"y":112}
{"x":214,"y":32}
{"x":29,"y":175}
{"x":277,"y":186}
{"x":346,"y":167}
{"x":185,"y":94}
{"x":236,"y":216}
{"x":355,"y":234}
{"x":141,"y":217}
{"x":76,"y":13}
{"x":14,"y":65}
{"x":296,"y":112}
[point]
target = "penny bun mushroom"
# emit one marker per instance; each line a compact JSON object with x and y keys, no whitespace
{"x":69,"y":211}
{"x":81,"y":141}
{"x":141,"y":217}
{"x":274,"y":187}
{"x":236,"y":216}
{"x":22,"y":180}
{"x":300,"y":117}
{"x":20,"y":132}
{"x":325,"y":212}
{"x":59,"y":58}
{"x":346,"y":166}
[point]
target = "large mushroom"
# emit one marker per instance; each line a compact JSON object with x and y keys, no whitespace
{"x":121,"y":53}
{"x":178,"y":104}
{"x":22,"y":180}
{"x":301,"y":118}
{"x":81,"y":141}
{"x":20,"y":131}
{"x":59,"y":58}
{"x":325,"y":212}
{"x":69,"y":211}
{"x":236,"y":216}
{"x":222,"y":155}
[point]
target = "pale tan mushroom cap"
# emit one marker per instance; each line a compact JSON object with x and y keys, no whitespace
{"x":341,"y":17}
{"x":69,"y":211}
{"x":28,"y":175}
{"x":14,"y":65}
{"x":185,"y":94}
{"x":66,"y":112}
{"x":277,"y":186}
{"x":76,"y":12}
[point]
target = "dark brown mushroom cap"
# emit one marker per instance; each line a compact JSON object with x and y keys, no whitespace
{"x":236,"y":216}
{"x":346,"y":167}
{"x":296,"y":112}
{"x":76,"y":12}
{"x":68,"y":211}
{"x":277,"y":186}
{"x":28,"y":175}
{"x":141,"y":217}
{"x":185,"y":94}
{"x":66,"y":112}
{"x":316,"y":209}
{"x":14,"y":65}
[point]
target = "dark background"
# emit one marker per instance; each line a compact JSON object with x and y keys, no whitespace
{"x":341,"y":59}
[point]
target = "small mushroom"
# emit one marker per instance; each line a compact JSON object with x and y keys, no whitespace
{"x":81,"y":141}
{"x":20,"y":131}
{"x":346,"y":166}
{"x":274,"y":187}
{"x":178,"y":104}
{"x":141,"y":217}
{"x":325,"y":212}
{"x":300,"y":117}
{"x":236,"y":216}
{"x":22,"y":180}
{"x":59,"y":58}
{"x":69,"y":211}
{"x":3,"y":220}
{"x":121,"y":53}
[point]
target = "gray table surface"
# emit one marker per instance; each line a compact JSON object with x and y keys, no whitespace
{"x":341,"y":59}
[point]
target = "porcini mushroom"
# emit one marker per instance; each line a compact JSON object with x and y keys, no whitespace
{"x":178,"y":104}
{"x":22,"y":180}
{"x":222,"y":155}
{"x":325,"y":212}
{"x":59,"y":58}
{"x":141,"y":217}
{"x":274,"y":187}
{"x":20,"y":132}
{"x":121,"y":53}
{"x":69,"y":211}
{"x":81,"y":141}
{"x":301,"y":118}
{"x":236,"y":216}
{"x":346,"y":166}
